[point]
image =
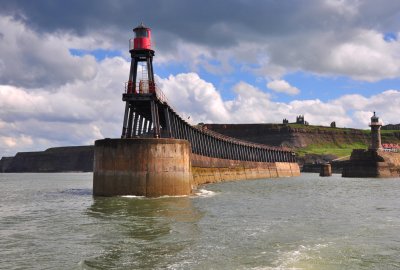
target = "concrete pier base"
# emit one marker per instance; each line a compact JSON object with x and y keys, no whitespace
{"x":326,"y":170}
{"x":158,"y":167}
{"x":143,"y":167}
{"x":212,"y":170}
{"x":372,"y":163}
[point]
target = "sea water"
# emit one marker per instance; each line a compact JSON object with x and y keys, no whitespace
{"x":52,"y":221}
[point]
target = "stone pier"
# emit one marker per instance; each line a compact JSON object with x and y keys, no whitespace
{"x":326,"y":170}
{"x":372,"y":163}
{"x":143,"y":167}
{"x":158,"y":167}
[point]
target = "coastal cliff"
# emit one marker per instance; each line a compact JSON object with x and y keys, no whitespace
{"x":58,"y":159}
{"x":299,"y":136}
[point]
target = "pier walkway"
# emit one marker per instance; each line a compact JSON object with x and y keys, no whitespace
{"x":150,"y":115}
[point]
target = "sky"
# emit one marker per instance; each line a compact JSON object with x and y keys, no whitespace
{"x":63,"y":64}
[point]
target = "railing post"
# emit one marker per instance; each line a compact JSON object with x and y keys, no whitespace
{"x":125,"y":124}
{"x":226,"y":146}
{"x":129,"y":132}
{"x":155,"y":120}
{"x":135,"y":122}
{"x":178,"y":128}
{"x":173,"y":132}
{"x":167,"y":121}
{"x":149,"y":127}
{"x":140,"y":126}
{"x":202,"y":142}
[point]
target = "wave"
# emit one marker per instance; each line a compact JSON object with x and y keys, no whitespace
{"x":132,"y":196}
{"x":78,"y":191}
{"x":205,"y":193}
{"x":298,"y":259}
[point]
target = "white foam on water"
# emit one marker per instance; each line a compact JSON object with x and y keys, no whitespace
{"x":133,"y":196}
{"x":276,"y":268}
{"x":170,"y":196}
{"x":152,"y":198}
{"x":289,"y":259}
{"x":205,"y":193}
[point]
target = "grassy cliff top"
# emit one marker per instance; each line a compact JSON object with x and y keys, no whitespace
{"x":342,"y":147}
{"x":306,"y":139}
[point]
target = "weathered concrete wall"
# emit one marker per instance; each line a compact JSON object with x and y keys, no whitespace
{"x":371,"y":163}
{"x":325,"y":170}
{"x":143,"y":167}
{"x":211,"y":170}
{"x":157,"y":167}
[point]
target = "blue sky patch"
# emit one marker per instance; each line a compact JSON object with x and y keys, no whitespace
{"x":390,"y":36}
{"x":99,"y":54}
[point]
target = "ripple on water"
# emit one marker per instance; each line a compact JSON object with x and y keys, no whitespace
{"x":78,"y":191}
{"x":52,"y":221}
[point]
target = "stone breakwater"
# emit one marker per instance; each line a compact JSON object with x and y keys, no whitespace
{"x":212,"y":170}
{"x":372,"y":163}
{"x":158,"y":167}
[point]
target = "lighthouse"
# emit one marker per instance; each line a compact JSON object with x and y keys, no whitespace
{"x":140,"y":85}
{"x":376,"y":143}
{"x":147,"y":160}
{"x":160,"y":154}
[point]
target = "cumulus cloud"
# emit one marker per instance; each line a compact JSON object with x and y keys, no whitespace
{"x":81,"y":112}
{"x":72,"y":114}
{"x":30,"y":59}
{"x":194,"y":98}
{"x":329,"y":37}
{"x":282,"y":86}
{"x":49,"y":97}
{"x":252,"y":105}
{"x":346,"y":7}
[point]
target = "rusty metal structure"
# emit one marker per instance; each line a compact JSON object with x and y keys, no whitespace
{"x":148,"y":114}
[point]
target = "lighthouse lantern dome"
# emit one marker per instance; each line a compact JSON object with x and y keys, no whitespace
{"x":142,"y":39}
{"x":375,"y":119}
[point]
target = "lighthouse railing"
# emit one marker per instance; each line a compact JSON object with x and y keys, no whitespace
{"x":145,"y":87}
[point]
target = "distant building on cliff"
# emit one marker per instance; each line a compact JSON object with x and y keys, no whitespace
{"x":300,"y":119}
{"x":391,"y":147}
{"x":391,"y":127}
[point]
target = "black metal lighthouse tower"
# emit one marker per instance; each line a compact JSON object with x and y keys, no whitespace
{"x":141,"y":116}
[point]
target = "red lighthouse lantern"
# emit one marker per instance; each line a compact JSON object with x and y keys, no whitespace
{"x":142,"y":40}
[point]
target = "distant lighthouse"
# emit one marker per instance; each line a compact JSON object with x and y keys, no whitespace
{"x":376,"y":143}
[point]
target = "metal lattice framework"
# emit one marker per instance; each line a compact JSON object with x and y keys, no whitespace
{"x":152,"y":116}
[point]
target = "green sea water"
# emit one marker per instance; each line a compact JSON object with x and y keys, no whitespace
{"x":51,"y":221}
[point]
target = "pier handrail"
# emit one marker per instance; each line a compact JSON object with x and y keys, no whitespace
{"x":203,"y":140}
